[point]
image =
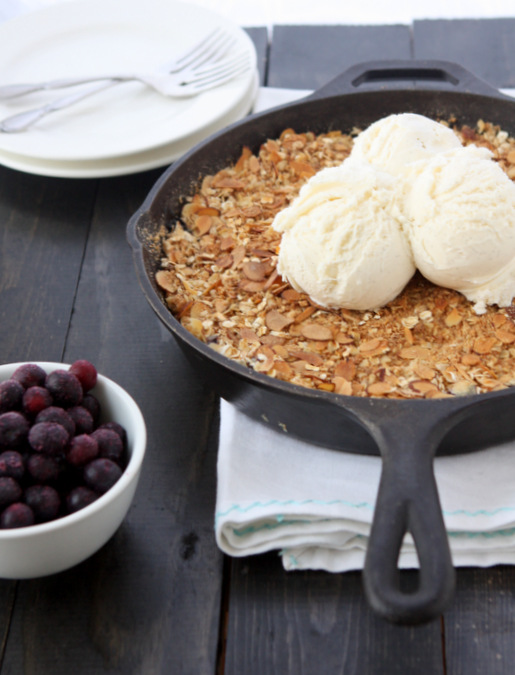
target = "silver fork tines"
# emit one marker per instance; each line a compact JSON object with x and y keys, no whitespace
{"x":210,"y":70}
{"x":210,"y":49}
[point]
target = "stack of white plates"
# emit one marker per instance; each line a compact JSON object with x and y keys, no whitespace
{"x":126,"y":128}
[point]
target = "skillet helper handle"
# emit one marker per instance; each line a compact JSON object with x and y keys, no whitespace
{"x":406,"y":74}
{"x":408,"y":502}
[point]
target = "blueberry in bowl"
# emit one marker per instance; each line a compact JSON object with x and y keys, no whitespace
{"x":72,"y":443}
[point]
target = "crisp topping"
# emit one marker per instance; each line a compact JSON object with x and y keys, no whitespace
{"x":219,"y":279}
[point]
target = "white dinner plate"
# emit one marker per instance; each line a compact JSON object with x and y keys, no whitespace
{"x":104,"y":36}
{"x":132,"y":163}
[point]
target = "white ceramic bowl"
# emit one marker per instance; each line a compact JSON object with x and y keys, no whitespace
{"x":46,"y":548}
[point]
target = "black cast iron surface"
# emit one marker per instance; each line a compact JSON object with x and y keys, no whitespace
{"x":159,"y":597}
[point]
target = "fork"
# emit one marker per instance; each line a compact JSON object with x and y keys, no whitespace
{"x":208,"y":50}
{"x":189,"y":82}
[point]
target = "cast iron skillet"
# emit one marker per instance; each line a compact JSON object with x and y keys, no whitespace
{"x":406,"y":433}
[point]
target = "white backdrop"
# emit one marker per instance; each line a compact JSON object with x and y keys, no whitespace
{"x":268,"y":12}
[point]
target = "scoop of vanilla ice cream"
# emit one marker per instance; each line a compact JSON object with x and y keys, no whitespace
{"x":460,"y":211}
{"x":394,"y":142}
{"x":342,"y":243}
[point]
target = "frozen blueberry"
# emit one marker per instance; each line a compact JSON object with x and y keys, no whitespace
{"x":17,"y":515}
{"x":10,"y":490}
{"x":49,"y":438}
{"x":82,"y":449}
{"x":82,"y":418}
{"x":29,"y":375}
{"x":109,"y":444}
{"x":35,"y":399}
{"x":14,"y":428}
{"x":11,"y":464}
{"x":85,"y":372}
{"x":91,"y":403}
{"x":44,"y":501}
{"x":43,"y":468}
{"x":58,"y":415}
{"x":119,"y":430}
{"x":80,"y":497}
{"x":11,"y":394}
{"x":101,"y":474}
{"x":65,"y":388}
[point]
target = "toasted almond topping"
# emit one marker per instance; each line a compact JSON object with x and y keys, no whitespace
{"x":470,"y":359}
{"x":251,"y":286}
{"x":238,"y":254}
{"x":255,"y":271}
{"x":248,"y":334}
{"x":227,"y":243}
{"x":463,"y":388}
{"x":453,"y":318}
{"x":423,"y":371}
{"x":415,"y":353}
{"x":379,"y":388}
{"x":305,"y":314}
{"x":484,"y":345}
{"x":423,"y":386}
{"x":370,"y":345}
{"x":282,"y":370}
{"x":316,"y":331}
{"x":166,"y":280}
{"x":203,"y":224}
{"x":310,"y":357}
{"x":276,"y":321}
{"x":505,"y":336}
{"x":346,"y":369}
{"x":199,"y":309}
{"x":342,"y":386}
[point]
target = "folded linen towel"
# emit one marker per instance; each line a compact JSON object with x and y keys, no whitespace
{"x":315,"y":506}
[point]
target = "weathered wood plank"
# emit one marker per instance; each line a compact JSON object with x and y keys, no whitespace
{"x":306,"y":57}
{"x":313,"y":622}
{"x":480,"y":624}
{"x":485,"y":47}
{"x":149,"y":600}
{"x":43,"y":229}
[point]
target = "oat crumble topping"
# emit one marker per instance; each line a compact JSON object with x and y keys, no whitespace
{"x":220,"y":281}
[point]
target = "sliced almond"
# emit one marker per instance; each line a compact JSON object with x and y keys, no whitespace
{"x":291,"y":295}
{"x":203,"y":224}
{"x":484,"y":345}
{"x":379,"y":388}
{"x":505,"y":336}
{"x":415,"y":352}
{"x":470,"y":359}
{"x":248,"y":334}
{"x":199,"y":309}
{"x":251,"y":286}
{"x":315,"y":331}
{"x":166,"y":280}
{"x":346,"y":369}
{"x":305,"y":314}
{"x":463,"y":388}
{"x":282,"y":370}
{"x":255,"y":271}
{"x":274,"y":320}
{"x":422,"y":386}
{"x":310,"y":357}
{"x":342,"y":386}
{"x":238,"y":254}
{"x":423,"y":371}
{"x":454,"y":318}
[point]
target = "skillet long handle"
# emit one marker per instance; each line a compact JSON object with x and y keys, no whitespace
{"x":408,"y":502}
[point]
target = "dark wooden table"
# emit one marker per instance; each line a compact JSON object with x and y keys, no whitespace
{"x":160,"y":597}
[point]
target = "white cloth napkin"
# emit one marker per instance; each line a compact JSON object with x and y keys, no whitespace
{"x":315,"y":506}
